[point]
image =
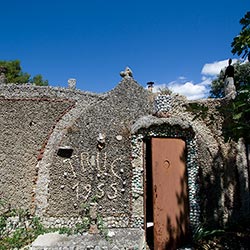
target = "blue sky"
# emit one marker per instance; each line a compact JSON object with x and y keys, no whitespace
{"x":179,"y":44}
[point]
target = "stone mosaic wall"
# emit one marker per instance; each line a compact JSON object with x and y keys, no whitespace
{"x":37,"y":121}
{"x":99,"y":173}
{"x":25,"y":127}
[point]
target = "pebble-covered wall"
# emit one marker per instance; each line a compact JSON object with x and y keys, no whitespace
{"x":26,"y":124}
{"x":64,"y":150}
{"x":99,"y":169}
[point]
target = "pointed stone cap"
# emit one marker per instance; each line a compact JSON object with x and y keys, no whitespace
{"x":3,"y":79}
{"x":127,"y":73}
{"x":72,"y":83}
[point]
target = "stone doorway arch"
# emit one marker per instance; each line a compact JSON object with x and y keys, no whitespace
{"x":150,"y":127}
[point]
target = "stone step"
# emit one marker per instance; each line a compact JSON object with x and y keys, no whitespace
{"x":115,"y":239}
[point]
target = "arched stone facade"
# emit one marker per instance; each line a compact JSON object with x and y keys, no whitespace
{"x":148,"y":127}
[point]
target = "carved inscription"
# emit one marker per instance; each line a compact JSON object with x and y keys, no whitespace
{"x":93,"y":176}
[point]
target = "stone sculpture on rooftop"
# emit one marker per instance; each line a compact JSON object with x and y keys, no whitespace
{"x":229,"y":87}
{"x":3,"y":79}
{"x":127,"y":73}
{"x":72,"y":83}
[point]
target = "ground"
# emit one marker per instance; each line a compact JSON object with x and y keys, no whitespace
{"x":228,"y":240}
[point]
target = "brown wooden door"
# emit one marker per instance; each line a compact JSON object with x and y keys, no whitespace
{"x":170,"y":197}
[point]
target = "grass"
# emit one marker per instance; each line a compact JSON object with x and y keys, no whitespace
{"x":18,"y":228}
{"x":235,"y":237}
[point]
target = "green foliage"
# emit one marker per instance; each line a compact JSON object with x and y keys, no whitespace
{"x":85,"y":207}
{"x":14,"y":74}
{"x":237,"y":111}
{"x":242,"y":74}
{"x":241,"y":78}
{"x":65,"y":230}
{"x":83,"y":226}
{"x":199,"y":110}
{"x":38,"y":81}
{"x":165,"y":91}
{"x":85,"y":223}
{"x":18,"y":229}
{"x":203,"y":238}
{"x":217,"y":87}
{"x":240,"y":46}
{"x":237,"y":116}
{"x":203,"y":232}
{"x":80,"y":227}
{"x":234,"y":236}
{"x":241,"y":43}
{"x":103,"y":230}
{"x":38,"y":227}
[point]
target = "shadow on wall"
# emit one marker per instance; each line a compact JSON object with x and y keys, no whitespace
{"x":180,"y":235}
{"x":222,"y":191}
{"x":171,"y":207}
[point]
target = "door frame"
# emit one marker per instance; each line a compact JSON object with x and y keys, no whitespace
{"x":138,"y":143}
{"x":173,"y":152}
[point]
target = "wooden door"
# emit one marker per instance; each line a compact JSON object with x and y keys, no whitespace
{"x":170,"y":196}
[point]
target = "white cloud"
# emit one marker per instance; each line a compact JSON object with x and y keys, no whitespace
{"x":213,"y":69}
{"x":189,"y":89}
{"x":193,"y":90}
{"x":206,"y":81}
{"x":182,"y":78}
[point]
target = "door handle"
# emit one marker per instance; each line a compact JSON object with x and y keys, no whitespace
{"x":166,"y":164}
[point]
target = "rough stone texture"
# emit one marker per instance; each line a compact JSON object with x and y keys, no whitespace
{"x":104,"y":174}
{"x":60,"y":130}
{"x":25,"y":127}
{"x":229,"y":88}
{"x":122,"y":239}
{"x":242,"y":168}
{"x":221,"y":194}
{"x":72,"y":83}
{"x":33,"y":122}
{"x":37,"y":121}
{"x":3,"y":79}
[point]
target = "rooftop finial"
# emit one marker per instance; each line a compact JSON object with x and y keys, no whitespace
{"x":150,"y":86}
{"x":72,"y":83}
{"x":3,"y":79}
{"x":127,"y":73}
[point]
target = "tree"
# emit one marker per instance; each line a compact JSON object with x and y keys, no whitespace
{"x":237,"y":116}
{"x":241,"y":79}
{"x":241,"y":43}
{"x":237,"y":111}
{"x":38,"y":81}
{"x":14,"y":74}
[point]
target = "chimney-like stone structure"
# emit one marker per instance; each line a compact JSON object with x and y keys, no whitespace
{"x":3,"y":79}
{"x":72,"y":83}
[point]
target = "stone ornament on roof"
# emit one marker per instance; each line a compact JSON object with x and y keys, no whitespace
{"x":72,"y":83}
{"x":3,"y":79}
{"x":127,"y":73}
